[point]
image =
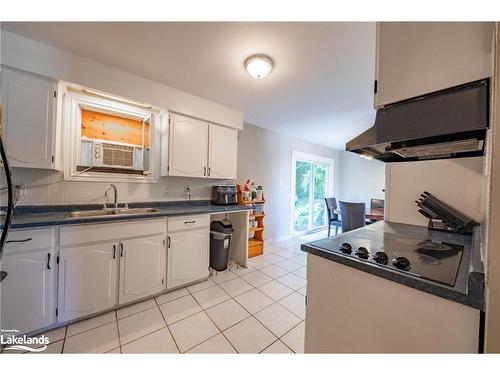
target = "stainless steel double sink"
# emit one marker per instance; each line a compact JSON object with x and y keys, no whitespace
{"x":110,"y":212}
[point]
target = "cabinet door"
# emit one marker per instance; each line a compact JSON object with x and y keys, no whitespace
{"x":188,"y":257}
{"x":415,"y":58}
{"x":188,"y":147}
{"x":87,"y":280}
{"x":143,"y":266}
{"x":223,"y":152}
{"x":28,"y":104}
{"x":29,"y":291}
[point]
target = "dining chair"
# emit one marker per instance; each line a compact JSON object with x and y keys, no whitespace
{"x":333,"y":216}
{"x":353,"y":215}
{"x":377,"y":204}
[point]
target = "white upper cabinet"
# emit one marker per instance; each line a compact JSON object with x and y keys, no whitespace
{"x":188,"y":147}
{"x":29,"y":119}
{"x":143,"y":265}
{"x":200,"y":149}
{"x":222,"y":152}
{"x":416,"y":58}
{"x":87,"y":280}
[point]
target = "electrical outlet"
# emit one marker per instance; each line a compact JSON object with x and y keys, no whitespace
{"x":23,"y":191}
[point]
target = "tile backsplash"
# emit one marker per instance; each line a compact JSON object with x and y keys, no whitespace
{"x":40,"y":186}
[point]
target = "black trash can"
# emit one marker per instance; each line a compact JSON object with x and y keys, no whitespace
{"x":220,"y":240}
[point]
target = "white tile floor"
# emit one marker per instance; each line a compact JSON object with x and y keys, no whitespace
{"x":260,"y":309}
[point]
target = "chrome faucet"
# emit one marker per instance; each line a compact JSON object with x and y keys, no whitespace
{"x":187,"y":191}
{"x":115,"y":202}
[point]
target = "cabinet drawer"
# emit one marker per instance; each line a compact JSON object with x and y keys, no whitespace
{"x":32,"y":239}
{"x":81,"y":234}
{"x":188,"y":222}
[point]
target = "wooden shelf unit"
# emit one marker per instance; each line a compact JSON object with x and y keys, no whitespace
{"x":255,"y":229}
{"x":256,"y":216}
{"x":256,"y":243}
{"x":253,"y":202}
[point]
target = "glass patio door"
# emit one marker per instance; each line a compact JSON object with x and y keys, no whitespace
{"x":312,"y":185}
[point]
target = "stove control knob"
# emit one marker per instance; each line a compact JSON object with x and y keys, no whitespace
{"x":346,"y":248}
{"x":380,"y":257}
{"x":363,"y":252}
{"x":401,"y":263}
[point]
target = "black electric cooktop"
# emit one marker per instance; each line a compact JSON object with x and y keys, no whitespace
{"x":420,"y":257}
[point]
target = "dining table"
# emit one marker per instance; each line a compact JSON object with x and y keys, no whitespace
{"x":375,"y":214}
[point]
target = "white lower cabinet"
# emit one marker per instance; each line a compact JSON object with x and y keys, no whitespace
{"x":188,"y":256}
{"x":127,"y":263}
{"x":142,"y":267}
{"x":97,"y":267}
{"x":87,"y":280}
{"x":28,"y":292}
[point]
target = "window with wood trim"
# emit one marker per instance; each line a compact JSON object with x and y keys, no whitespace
{"x":114,"y":143}
{"x":111,"y":138}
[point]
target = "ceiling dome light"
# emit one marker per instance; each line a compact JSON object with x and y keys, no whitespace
{"x":259,"y":66}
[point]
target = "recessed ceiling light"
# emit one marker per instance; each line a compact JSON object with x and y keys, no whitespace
{"x":259,"y":66}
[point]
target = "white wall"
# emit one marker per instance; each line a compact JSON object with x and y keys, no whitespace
{"x":51,"y":189}
{"x":360,"y":179}
{"x":458,"y":182}
{"x":32,"y":56}
{"x":266,"y":157}
{"x":491,"y":212}
{"x":35,"y":57}
{"x":263,"y":155}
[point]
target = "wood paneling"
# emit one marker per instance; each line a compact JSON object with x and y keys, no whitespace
{"x":98,"y":125}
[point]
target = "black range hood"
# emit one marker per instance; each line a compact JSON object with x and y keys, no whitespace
{"x":451,"y":123}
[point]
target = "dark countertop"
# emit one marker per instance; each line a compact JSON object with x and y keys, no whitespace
{"x":42,"y":216}
{"x":469,"y":286}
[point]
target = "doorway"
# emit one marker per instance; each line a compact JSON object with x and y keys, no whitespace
{"x":312,"y":181}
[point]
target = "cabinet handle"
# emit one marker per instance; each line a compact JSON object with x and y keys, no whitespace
{"x":48,"y":261}
{"x":14,"y":241}
{"x":168,"y":241}
{"x":190,"y":222}
{"x":121,"y":253}
{"x":209,"y":171}
{"x":114,"y":251}
{"x":204,"y":171}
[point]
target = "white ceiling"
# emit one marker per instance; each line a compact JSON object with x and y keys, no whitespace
{"x":320,"y":89}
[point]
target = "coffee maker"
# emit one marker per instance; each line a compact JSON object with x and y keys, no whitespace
{"x":223,"y":195}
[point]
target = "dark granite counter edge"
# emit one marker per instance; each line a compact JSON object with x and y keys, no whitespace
{"x":175,"y":208}
{"x":74,"y":221}
{"x":475,"y":293}
{"x":33,"y":209}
